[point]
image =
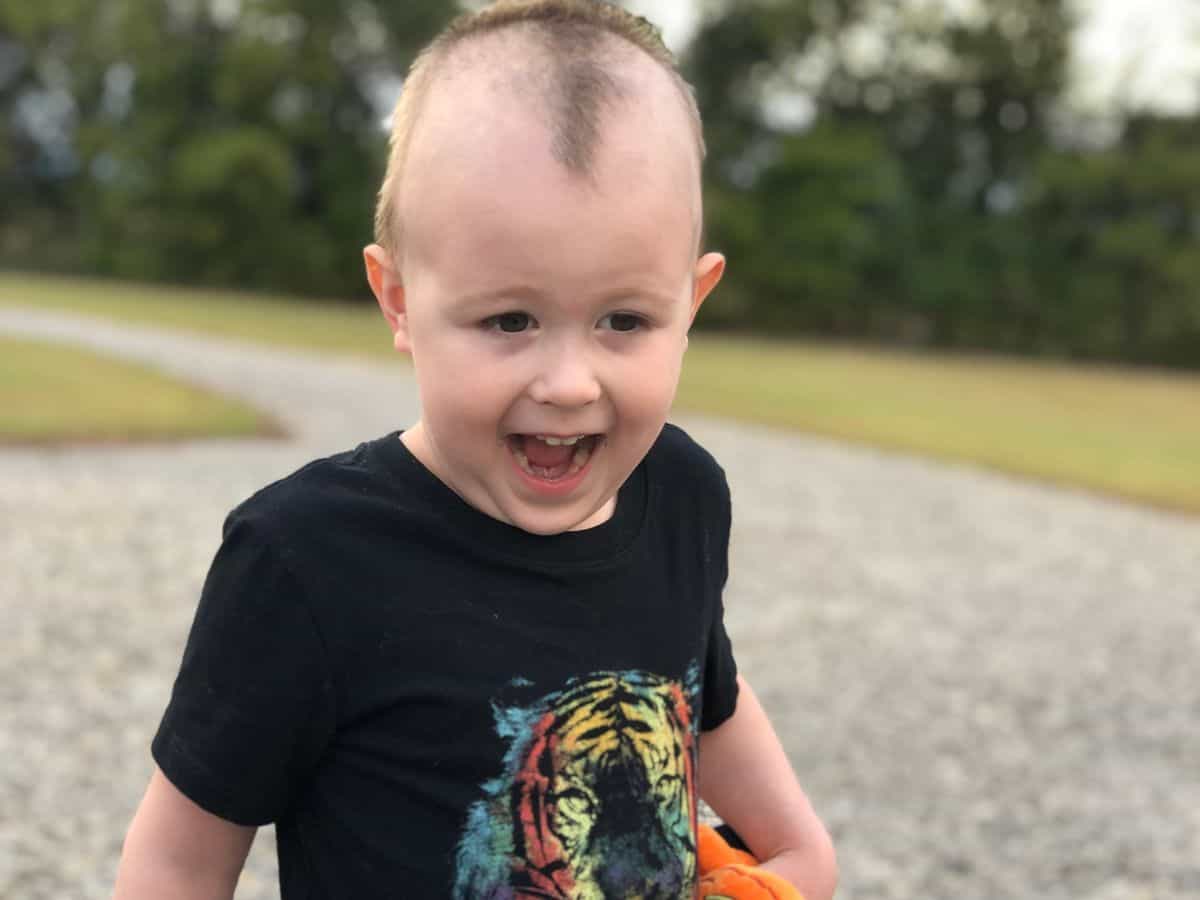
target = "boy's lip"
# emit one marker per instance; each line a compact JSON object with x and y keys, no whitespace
{"x":557,"y":435}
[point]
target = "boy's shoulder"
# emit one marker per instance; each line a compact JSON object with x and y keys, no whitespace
{"x":322,"y":489}
{"x":678,"y":455}
{"x":689,"y":475}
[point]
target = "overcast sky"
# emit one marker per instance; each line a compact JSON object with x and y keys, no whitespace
{"x":1146,"y":50}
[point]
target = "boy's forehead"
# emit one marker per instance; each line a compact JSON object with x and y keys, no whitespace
{"x":482,"y":214}
{"x":484,"y":192}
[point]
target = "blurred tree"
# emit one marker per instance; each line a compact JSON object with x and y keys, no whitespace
{"x":876,"y":169}
{"x":957,"y":107}
{"x":37,"y":113}
{"x":810,"y":244}
{"x":224,"y":141}
{"x":1121,"y":245}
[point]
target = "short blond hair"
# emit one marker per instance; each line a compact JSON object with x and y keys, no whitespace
{"x":572,"y":35}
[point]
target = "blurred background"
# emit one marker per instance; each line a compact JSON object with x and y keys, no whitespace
{"x":1011,"y":175}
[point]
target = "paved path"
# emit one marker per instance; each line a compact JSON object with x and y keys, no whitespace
{"x":990,"y":689}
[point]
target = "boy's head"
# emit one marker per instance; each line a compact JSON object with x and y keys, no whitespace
{"x":536,"y":253}
{"x":561,"y":57}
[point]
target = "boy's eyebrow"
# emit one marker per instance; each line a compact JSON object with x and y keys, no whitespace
{"x":523,"y":292}
{"x":497,"y":295}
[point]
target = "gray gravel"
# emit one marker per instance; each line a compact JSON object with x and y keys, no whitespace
{"x":990,"y":689}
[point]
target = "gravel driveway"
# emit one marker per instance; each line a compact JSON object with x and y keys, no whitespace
{"x":990,"y":689}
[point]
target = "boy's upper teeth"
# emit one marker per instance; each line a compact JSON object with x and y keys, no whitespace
{"x":559,"y":442}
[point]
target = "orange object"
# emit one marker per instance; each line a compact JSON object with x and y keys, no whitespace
{"x":729,"y":874}
{"x":712,"y":851}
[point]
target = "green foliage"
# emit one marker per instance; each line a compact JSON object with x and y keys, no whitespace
{"x":812,"y":239}
{"x":235,"y":144}
{"x":1121,"y":248}
{"x":930,"y":197}
{"x":891,"y":171}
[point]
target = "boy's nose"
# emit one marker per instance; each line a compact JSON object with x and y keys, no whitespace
{"x":565,"y":379}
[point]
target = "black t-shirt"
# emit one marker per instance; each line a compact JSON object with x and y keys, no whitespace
{"x":431,"y":703}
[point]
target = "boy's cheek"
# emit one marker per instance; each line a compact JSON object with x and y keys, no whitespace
{"x":461,"y":404}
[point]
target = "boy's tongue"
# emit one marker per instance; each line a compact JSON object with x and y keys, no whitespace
{"x":543,"y":455}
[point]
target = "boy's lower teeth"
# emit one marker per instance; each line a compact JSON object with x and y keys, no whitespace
{"x":583,"y":452}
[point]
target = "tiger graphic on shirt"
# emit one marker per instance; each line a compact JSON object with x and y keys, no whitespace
{"x":597,"y":798}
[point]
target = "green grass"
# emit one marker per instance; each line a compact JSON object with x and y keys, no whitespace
{"x":1135,"y":434}
{"x":53,"y":393}
{"x":356,"y":328}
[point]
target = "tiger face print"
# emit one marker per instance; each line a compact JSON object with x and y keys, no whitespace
{"x":597,"y":799}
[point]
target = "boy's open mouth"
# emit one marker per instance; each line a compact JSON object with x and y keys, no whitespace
{"x":549,"y":457}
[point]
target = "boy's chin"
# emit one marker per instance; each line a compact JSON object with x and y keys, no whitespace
{"x":559,"y":521}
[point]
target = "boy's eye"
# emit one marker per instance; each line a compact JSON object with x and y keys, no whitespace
{"x":509,"y":323}
{"x":622,"y":321}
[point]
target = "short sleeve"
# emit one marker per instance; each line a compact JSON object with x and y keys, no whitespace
{"x":252,"y":708}
{"x":720,"y":668}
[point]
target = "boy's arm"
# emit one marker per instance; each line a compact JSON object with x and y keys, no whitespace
{"x":746,"y":778}
{"x":175,"y":850}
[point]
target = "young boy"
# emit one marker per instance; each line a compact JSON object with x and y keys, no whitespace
{"x":485,"y":658}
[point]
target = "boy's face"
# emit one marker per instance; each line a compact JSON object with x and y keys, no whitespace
{"x":537,"y":303}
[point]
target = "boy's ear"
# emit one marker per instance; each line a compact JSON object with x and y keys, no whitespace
{"x":709,"y":269}
{"x":389,"y":293}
